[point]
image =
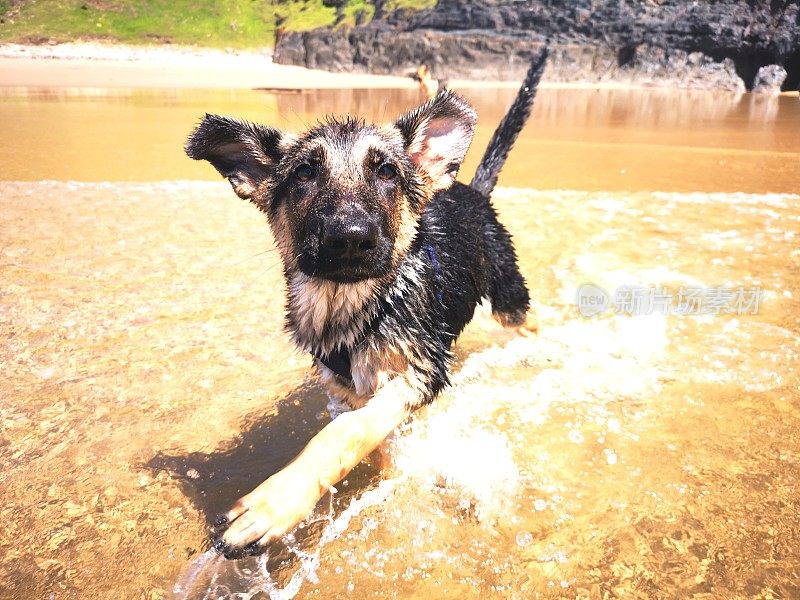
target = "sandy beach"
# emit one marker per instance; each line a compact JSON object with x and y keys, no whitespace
{"x":108,"y":65}
{"x":114,"y":66}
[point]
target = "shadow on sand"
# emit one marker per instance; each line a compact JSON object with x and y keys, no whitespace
{"x":214,"y":481}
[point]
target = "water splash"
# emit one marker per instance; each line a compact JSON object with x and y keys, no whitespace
{"x":471,"y":446}
{"x":211,"y":577}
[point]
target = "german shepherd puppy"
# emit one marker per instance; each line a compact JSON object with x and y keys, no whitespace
{"x":385,"y":257}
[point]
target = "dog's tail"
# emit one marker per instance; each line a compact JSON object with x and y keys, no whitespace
{"x":506,"y":133}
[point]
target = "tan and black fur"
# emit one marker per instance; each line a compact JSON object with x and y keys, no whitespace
{"x":385,"y":257}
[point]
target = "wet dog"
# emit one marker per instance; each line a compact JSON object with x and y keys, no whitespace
{"x":385,"y":257}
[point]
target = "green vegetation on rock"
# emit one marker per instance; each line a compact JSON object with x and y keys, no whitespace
{"x":214,"y":23}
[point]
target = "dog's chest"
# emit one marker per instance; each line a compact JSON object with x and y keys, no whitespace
{"x":325,"y":315}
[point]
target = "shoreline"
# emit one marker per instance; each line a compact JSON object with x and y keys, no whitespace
{"x":106,"y":65}
{"x":111,"y":66}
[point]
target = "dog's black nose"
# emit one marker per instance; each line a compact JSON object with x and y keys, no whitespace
{"x":352,"y":239}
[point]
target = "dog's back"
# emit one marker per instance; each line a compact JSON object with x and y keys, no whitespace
{"x":472,"y":253}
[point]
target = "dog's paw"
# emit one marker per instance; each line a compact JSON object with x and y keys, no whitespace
{"x":264,"y":515}
{"x":530,"y":327}
{"x":523,"y":322}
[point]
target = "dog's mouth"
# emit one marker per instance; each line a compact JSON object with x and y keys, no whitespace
{"x":342,"y":269}
{"x":348,"y":275}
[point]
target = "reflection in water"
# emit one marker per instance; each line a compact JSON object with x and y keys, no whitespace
{"x":147,"y":380}
{"x":628,"y":140}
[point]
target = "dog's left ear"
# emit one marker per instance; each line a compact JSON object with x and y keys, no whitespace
{"x":437,"y":136}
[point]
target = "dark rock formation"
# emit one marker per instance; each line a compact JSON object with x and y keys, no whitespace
{"x":703,"y":43}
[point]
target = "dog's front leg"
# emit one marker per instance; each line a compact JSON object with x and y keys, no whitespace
{"x":286,"y":498}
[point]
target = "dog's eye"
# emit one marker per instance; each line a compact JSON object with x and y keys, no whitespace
{"x":304,"y":172}
{"x":387,"y":172}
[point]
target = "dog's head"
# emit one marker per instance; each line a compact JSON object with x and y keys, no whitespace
{"x":344,"y":198}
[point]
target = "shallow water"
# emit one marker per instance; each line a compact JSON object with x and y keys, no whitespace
{"x":631,"y":140}
{"x":147,"y":383}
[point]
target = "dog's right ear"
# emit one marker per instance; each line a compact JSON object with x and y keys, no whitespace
{"x":241,"y":151}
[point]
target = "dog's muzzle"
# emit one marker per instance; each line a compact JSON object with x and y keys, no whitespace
{"x":349,"y":247}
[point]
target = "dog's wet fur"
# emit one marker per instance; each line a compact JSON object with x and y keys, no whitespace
{"x":385,"y":258}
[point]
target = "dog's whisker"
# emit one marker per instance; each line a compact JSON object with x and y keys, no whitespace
{"x":253,"y":257}
{"x":258,"y":278}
